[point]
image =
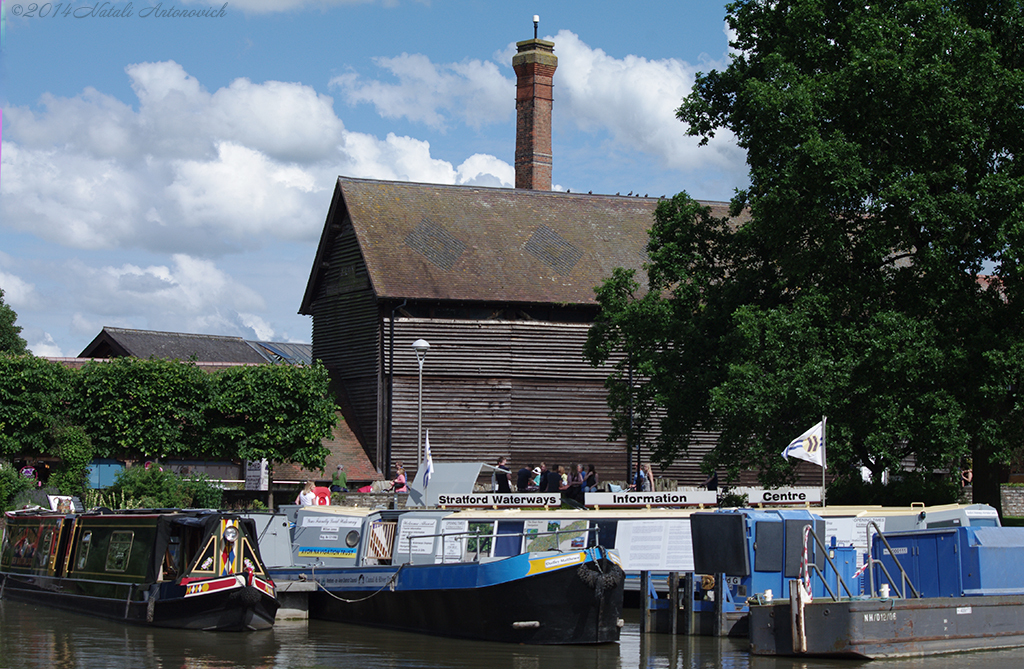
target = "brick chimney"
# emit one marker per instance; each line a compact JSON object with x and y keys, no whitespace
{"x":535,"y":67}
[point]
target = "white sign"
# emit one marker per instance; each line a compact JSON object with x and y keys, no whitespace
{"x":790,"y":496}
{"x":504,"y":499}
{"x":256,"y":476}
{"x":416,"y":529}
{"x":674,"y":498}
{"x":655,"y":545}
{"x":331,"y":523}
{"x":452,"y":547}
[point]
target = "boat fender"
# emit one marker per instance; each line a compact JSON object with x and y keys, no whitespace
{"x":246,"y":596}
{"x":591,"y":574}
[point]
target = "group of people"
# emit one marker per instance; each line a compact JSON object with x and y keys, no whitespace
{"x":572,"y":483}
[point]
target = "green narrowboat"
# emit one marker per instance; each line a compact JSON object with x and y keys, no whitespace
{"x":194,"y":569}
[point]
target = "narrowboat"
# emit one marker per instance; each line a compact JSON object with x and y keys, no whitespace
{"x":429,"y":571}
{"x":195,"y":569}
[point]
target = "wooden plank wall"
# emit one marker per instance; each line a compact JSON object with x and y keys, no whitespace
{"x":515,"y":388}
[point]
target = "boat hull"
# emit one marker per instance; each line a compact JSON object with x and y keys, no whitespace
{"x":236,"y":608}
{"x":890,"y":628}
{"x":522,"y":599}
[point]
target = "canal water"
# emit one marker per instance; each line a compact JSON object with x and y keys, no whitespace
{"x":36,"y":637}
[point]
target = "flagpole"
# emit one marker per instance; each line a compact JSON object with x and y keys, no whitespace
{"x":824,"y":459}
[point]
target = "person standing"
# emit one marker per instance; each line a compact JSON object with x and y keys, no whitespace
{"x":523,"y":478}
{"x":501,"y":477}
{"x":307,"y":497}
{"x":339,"y":480}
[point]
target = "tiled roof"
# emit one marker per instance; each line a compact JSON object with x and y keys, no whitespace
{"x":114,"y":342}
{"x":466,"y":243}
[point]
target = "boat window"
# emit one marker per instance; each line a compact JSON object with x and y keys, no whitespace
{"x":43,"y":553}
{"x":119,"y":551}
{"x":481,"y":540}
{"x":985,"y":522}
{"x":83,"y":550}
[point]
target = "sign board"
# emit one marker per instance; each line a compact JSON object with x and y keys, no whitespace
{"x":500,"y":499}
{"x":782,"y":496}
{"x":419,"y":533}
{"x":640,"y":499}
{"x":655,"y":545}
{"x":256,"y":475}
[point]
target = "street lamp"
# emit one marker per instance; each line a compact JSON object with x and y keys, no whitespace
{"x":421,"y":347}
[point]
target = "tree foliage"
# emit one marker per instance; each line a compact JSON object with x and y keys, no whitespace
{"x":268,"y":411}
{"x":10,"y":334}
{"x":159,"y":409}
{"x":881,"y":141}
{"x":33,"y":394}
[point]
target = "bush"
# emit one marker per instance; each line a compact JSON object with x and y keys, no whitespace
{"x":155,"y":488}
{"x":11,"y":485}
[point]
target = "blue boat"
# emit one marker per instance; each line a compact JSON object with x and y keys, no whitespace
{"x":425,"y":571}
{"x":936,"y":590}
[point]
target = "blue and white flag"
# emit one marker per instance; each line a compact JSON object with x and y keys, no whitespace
{"x":809,"y":446}
{"x":428,"y":467}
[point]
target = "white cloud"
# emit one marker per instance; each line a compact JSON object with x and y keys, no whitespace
{"x":17,"y":292}
{"x":634,"y":99}
{"x":45,"y":347}
{"x":631,"y":99}
{"x":235,"y":168}
{"x":473,"y":91}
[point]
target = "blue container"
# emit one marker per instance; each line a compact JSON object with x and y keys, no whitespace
{"x":760,"y":550}
{"x":955,"y":562}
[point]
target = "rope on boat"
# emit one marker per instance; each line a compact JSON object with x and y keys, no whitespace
{"x":390,"y":584}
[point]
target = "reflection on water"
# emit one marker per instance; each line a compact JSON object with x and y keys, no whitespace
{"x":39,"y":637}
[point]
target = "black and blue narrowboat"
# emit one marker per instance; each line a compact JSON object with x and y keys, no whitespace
{"x":196,"y":569}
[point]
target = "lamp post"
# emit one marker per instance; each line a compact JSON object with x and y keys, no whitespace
{"x":421,"y":347}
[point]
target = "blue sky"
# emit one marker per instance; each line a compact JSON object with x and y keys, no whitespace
{"x":174,"y":173}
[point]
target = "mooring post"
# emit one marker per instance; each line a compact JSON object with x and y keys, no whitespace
{"x":687,"y":589}
{"x":720,"y":628}
{"x":673,"y":599}
{"x":645,"y":602}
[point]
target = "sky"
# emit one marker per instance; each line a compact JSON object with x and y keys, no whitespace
{"x":168,"y":165}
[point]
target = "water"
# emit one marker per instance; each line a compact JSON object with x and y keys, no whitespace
{"x":32,"y":637}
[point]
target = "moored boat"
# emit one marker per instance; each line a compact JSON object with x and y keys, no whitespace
{"x":195,"y":569}
{"x":940,"y":590}
{"x":430,"y":572}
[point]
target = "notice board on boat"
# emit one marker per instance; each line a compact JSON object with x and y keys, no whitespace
{"x":655,"y":545}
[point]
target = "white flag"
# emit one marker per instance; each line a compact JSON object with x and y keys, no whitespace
{"x":809,"y":446}
{"x":428,"y":469}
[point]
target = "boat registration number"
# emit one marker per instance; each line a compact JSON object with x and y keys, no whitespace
{"x":880,"y":617}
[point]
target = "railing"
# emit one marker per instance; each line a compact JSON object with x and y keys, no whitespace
{"x":872,"y":562}
{"x":461,"y":536}
{"x":806,"y":565}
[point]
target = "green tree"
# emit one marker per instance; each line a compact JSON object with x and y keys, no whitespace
{"x":76,"y":452}
{"x":142,"y":408}
{"x":156,"y":488}
{"x":278,"y":412}
{"x":34,"y":393}
{"x":10,"y":334}
{"x":882,"y":141}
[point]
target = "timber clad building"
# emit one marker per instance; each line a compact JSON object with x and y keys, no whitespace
{"x":500,"y":282}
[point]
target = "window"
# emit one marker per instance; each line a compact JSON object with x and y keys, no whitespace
{"x":83,"y":550}
{"x":119,"y":551}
